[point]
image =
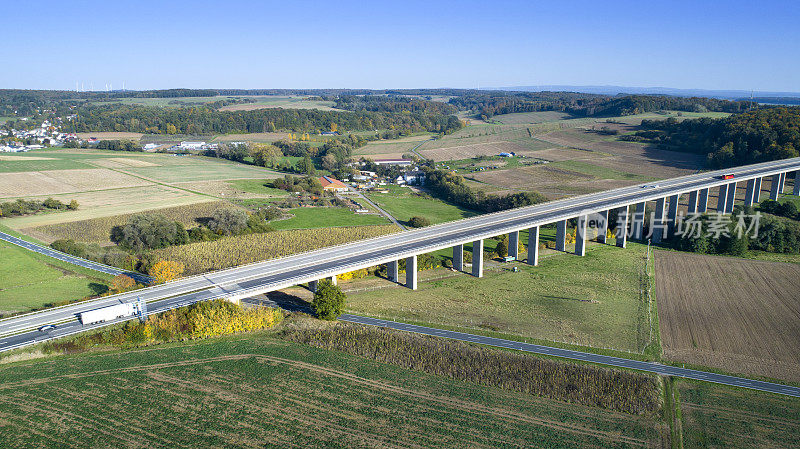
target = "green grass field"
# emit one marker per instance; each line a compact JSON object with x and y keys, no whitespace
{"x":29,"y":280}
{"x":590,"y":301}
{"x":720,"y":416}
{"x":257,"y":186}
{"x":403,"y":204}
{"x":524,"y":118}
{"x":325,"y":217}
{"x":256,"y":391}
{"x":27,"y":163}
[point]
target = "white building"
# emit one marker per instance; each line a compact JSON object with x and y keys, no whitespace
{"x":192,"y":145}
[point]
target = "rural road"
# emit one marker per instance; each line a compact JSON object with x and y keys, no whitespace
{"x":650,"y":367}
{"x":141,"y":278}
{"x":379,"y":209}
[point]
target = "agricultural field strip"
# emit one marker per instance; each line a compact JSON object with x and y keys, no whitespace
{"x":72,"y":259}
{"x":287,"y":271}
{"x":651,"y":367}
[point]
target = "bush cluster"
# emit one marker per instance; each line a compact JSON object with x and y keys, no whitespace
{"x":201,"y":320}
{"x":28,"y":207}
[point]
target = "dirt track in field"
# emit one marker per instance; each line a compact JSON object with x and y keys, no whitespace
{"x":735,"y":314}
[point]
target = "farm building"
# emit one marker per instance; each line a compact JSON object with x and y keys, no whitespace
{"x":332,"y":184}
{"x":394,"y":162}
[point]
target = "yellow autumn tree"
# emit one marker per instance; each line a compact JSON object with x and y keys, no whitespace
{"x":166,"y":270}
{"x":334,"y":127}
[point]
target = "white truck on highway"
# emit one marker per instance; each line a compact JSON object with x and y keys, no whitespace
{"x":108,"y":313}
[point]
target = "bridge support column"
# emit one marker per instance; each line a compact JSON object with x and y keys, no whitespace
{"x":602,"y":227}
{"x":458,"y":257}
{"x":658,"y":224}
{"x":757,"y":191}
{"x":775,"y":183}
{"x":672,"y":214}
{"x":731,"y":200}
{"x":750,"y":192}
{"x":622,"y":226}
{"x":513,"y":244}
{"x":477,"y":258}
{"x":533,"y":246}
{"x":332,"y":279}
{"x":781,"y":183}
{"x":722,"y":198}
{"x":411,"y":272}
{"x":638,"y":222}
{"x":312,"y":285}
{"x":561,"y":235}
{"x":393,"y":271}
{"x":796,"y":190}
{"x":692,"y":202}
{"x":702,"y":201}
{"x":580,"y":236}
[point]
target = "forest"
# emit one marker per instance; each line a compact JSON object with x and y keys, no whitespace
{"x":755,"y":136}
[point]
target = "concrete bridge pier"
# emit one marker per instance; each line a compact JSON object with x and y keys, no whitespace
{"x":702,"y":201}
{"x":638,"y":222}
{"x":781,"y":183}
{"x":722,"y":198}
{"x":774,"y":187}
{"x":602,"y":228}
{"x":692,"y":202}
{"x":580,"y":236}
{"x":458,"y":257}
{"x":729,"y":202}
{"x":757,"y":190}
{"x":513,"y":244}
{"x":533,"y":246}
{"x":622,"y":226}
{"x":312,"y":285}
{"x":477,"y":258}
{"x":561,"y":235}
{"x":393,"y":271}
{"x":658,"y":222}
{"x":796,"y":190}
{"x":411,"y":272}
{"x":749,"y":193}
{"x":672,"y":214}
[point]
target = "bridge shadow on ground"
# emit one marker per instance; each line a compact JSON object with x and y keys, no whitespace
{"x":285,"y":301}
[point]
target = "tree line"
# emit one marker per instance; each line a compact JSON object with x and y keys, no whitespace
{"x":205,"y":120}
{"x":451,"y":187}
{"x":756,"y":136}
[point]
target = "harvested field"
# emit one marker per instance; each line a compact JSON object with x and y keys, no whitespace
{"x":734,"y":314}
{"x":201,"y":170}
{"x":106,"y":203}
{"x":257,"y":391}
{"x":232,"y":251}
{"x":50,"y":182}
{"x":474,"y":150}
{"x":97,"y":230}
{"x":122,"y":162}
{"x":4,"y":157}
{"x":111,"y":135}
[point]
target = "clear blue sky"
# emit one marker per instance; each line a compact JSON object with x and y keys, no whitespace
{"x":403,"y":44}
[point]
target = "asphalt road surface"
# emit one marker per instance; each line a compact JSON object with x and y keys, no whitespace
{"x":650,"y":367}
{"x":141,"y":278}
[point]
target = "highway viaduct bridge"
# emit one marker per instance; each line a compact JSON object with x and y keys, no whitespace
{"x":262,"y":277}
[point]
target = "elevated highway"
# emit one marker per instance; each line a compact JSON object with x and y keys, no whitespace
{"x":270,"y":275}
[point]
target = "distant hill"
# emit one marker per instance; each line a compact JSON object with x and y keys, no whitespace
{"x":761,"y":97}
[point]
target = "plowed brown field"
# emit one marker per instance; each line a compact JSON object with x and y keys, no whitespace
{"x":735,"y":314}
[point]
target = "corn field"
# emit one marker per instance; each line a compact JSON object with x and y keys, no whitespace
{"x":227,"y":252}
{"x":585,"y":384}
